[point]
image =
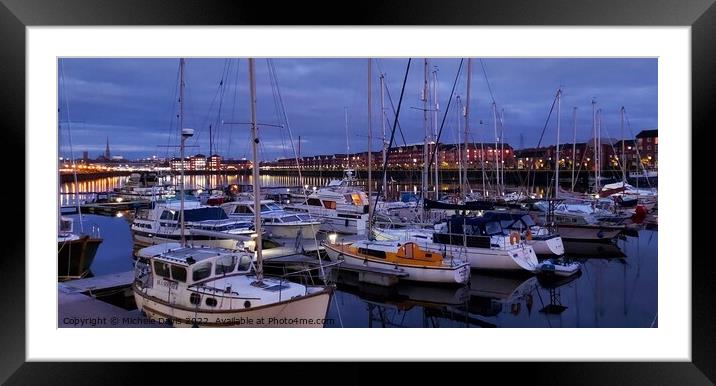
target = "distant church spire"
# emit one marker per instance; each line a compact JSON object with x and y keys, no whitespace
{"x":106,"y":150}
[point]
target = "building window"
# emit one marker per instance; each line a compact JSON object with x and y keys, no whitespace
{"x":648,"y":147}
{"x":648,"y":140}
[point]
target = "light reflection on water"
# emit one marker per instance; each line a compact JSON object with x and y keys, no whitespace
{"x":68,"y":191}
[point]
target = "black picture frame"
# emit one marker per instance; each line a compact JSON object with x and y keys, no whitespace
{"x":15,"y":15}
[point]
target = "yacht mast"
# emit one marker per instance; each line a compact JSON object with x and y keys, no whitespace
{"x":382,"y":125}
{"x":556,"y":161}
{"x":574,"y":141}
{"x":594,"y":133}
{"x":183,"y":139}
{"x":467,"y":122}
{"x":426,"y":126}
{"x":348,"y":144}
{"x":436,"y":107}
{"x":623,"y":160}
{"x":459,"y":146}
{"x":370,"y":138}
{"x":497,"y":166}
{"x":256,"y":185}
{"x":502,"y":149}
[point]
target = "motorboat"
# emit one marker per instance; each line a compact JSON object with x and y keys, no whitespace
{"x":277,"y":221}
{"x":75,"y":251}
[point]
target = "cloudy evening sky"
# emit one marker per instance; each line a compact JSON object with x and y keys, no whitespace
{"x":134,"y":102}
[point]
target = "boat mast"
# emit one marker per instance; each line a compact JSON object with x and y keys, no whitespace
{"x":502,"y":149}
{"x":382,"y":125}
{"x":256,"y":185}
{"x":459,"y":146}
{"x":599,"y":148}
{"x":181,"y":149}
{"x":594,"y":133}
{"x":467,"y":121}
{"x":574,"y":141}
{"x":623,"y":158}
{"x":424,"y":98}
{"x":370,"y":138}
{"x":497,"y":166}
{"x":436,"y":107}
{"x":556,"y":161}
{"x":348,"y":144}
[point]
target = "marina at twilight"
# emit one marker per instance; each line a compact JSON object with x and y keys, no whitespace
{"x":397,"y":193}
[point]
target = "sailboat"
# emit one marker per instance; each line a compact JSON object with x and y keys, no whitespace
{"x":75,"y":251}
{"x":190,"y":286}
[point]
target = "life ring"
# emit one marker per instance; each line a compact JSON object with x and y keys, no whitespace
{"x":514,"y":238}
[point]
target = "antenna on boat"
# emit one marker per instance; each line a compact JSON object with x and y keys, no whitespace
{"x":185,"y":134}
{"x":256,"y":185}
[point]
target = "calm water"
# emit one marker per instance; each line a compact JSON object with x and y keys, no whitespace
{"x":617,"y":288}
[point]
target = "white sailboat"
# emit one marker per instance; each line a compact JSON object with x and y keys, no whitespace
{"x":197,"y":286}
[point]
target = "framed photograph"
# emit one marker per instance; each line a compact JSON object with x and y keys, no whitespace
{"x":564,"y":99}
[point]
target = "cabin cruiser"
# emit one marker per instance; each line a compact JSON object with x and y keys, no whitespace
{"x":75,"y":252}
{"x":419,"y":264}
{"x":541,"y":239}
{"x":578,"y":222}
{"x":204,"y":225}
{"x":482,"y":241}
{"x":145,"y":186}
{"x":347,"y":213}
{"x":277,"y":221}
{"x":214,"y":287}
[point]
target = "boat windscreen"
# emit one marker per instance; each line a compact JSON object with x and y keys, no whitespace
{"x":203,"y":214}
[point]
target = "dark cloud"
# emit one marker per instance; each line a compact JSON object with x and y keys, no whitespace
{"x":133,"y":102}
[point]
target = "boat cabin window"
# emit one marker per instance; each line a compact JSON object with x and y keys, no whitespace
{"x":528,"y":220}
{"x":65,"y":225}
{"x":493,"y":228}
{"x":356,"y":198}
{"x":167,"y":215}
{"x":178,"y":273}
{"x":329,"y":204}
{"x":305,"y":217}
{"x":203,"y":214}
{"x":274,"y":206}
{"x":242,"y":209}
{"x":372,"y":252}
{"x":265,"y":208}
{"x":290,"y":219}
{"x":201,"y":271}
{"x":161,"y":269}
{"x":313,"y":202}
{"x":225,"y":264}
{"x":244,"y":263}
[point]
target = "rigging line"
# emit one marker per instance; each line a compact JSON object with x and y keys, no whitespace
{"x":174,"y":116}
{"x":392,"y":138}
{"x":489,"y":87}
{"x":277,"y":106}
{"x":222,"y":85}
{"x":390,"y":100}
{"x":233,"y":106}
{"x":546,"y":122}
{"x":447,"y":109}
{"x":208,"y":112}
{"x":69,"y":136}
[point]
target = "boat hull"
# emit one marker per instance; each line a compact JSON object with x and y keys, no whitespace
{"x":459,"y":274}
{"x":551,"y":245}
{"x":302,"y":312}
{"x":141,"y":241}
{"x":75,"y":257}
{"x":588,"y":232}
{"x":308,"y":231}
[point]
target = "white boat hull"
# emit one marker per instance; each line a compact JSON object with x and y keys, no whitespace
{"x":453,"y":275}
{"x":303,"y":312}
{"x":308,"y":231}
{"x":145,"y":241}
{"x":548,"y":246}
{"x":353,"y":226}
